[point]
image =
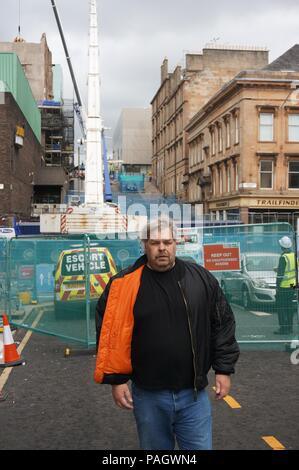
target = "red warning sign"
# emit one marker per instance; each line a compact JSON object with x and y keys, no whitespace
{"x":26,"y":272}
{"x":222,"y":257}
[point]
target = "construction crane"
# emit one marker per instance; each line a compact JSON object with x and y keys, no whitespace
{"x":91,"y":124}
{"x":78,"y":106}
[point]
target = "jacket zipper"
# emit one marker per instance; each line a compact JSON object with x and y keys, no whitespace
{"x":192,"y":344}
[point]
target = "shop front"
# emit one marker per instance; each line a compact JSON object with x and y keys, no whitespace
{"x":252,"y":210}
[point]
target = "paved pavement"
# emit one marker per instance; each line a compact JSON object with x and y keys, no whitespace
{"x":53,"y":403}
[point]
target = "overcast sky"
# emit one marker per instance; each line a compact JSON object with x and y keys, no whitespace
{"x":136,"y":35}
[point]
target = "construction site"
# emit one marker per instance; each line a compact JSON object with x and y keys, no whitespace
{"x":75,"y":226}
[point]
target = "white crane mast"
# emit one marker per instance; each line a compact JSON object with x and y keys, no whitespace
{"x":94,"y":168}
{"x":94,"y":216}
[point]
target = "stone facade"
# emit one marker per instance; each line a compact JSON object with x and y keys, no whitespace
{"x":36,"y":60}
{"x":132,"y":139}
{"x":244,"y":148}
{"x":19,"y":166}
{"x":181,"y":95}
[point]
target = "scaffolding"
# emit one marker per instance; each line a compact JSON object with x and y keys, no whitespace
{"x":58,"y":133}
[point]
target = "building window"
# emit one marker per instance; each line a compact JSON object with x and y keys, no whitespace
{"x":195,"y":159}
{"x":236,"y":177}
{"x":293,"y":127}
{"x":201,"y":151}
{"x":193,"y":153}
{"x":220,"y":181}
{"x":228,"y":180}
{"x":227,"y":129}
{"x":294,"y":175}
{"x":266,"y":174}
{"x":214,"y":183}
{"x":197,"y":150}
{"x":220,"y":139}
{"x":237,"y":129}
{"x":266,"y":127}
{"x":213,"y":143}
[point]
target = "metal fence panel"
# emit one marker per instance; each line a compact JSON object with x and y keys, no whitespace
{"x":52,"y":284}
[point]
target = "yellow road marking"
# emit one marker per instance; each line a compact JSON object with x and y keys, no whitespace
{"x":231,"y":401}
{"x":4,"y":376}
{"x":273,"y":443}
{"x":26,"y":316}
{"x":35,"y":307}
{"x":6,"y":373}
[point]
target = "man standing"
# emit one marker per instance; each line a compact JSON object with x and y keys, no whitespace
{"x":163,"y":323}
{"x":285,"y":283}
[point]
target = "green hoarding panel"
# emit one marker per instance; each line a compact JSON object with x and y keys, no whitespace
{"x":13,"y":76}
{"x":51,"y":285}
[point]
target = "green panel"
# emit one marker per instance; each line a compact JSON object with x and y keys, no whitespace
{"x":44,"y":296}
{"x":4,"y":246}
{"x":12,"y":74}
{"x":251,"y":289}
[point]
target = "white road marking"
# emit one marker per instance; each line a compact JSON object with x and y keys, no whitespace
{"x":261,"y":314}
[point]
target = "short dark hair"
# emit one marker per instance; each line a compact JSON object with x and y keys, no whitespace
{"x":158,"y":224}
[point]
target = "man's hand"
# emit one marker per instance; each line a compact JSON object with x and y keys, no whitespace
{"x":223,"y":385}
{"x":122,"y":396}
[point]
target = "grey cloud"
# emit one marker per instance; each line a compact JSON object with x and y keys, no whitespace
{"x":137,"y":34}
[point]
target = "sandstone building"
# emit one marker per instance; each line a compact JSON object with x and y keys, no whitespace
{"x":244,"y":146}
{"x":181,"y":95}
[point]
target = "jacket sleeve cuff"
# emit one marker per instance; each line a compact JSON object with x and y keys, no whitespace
{"x":116,"y":379}
{"x":222,"y":372}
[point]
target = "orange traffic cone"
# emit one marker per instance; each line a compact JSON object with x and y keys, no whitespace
{"x":10,"y":354}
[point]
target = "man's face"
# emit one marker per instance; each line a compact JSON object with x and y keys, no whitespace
{"x":160,"y":250}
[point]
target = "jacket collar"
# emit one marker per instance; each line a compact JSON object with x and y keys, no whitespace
{"x":143,"y":260}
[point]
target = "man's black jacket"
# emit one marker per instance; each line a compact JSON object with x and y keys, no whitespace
{"x":212,"y":323}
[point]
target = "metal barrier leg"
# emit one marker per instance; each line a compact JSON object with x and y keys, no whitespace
{"x":68,"y":352}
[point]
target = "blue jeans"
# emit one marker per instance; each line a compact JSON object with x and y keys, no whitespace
{"x":165,"y":416}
